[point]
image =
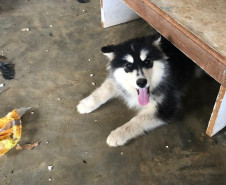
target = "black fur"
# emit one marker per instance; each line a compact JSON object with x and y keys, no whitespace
{"x":181,"y":71}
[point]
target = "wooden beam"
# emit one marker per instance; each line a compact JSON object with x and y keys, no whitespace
{"x":218,"y":117}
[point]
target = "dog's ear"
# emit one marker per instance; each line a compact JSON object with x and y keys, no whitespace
{"x":155,"y":39}
{"x":108,"y":51}
{"x":157,"y":42}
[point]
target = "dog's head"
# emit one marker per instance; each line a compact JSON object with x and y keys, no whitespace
{"x":137,"y":65}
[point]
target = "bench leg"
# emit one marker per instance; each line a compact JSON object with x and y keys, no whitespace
{"x":115,"y":12}
{"x":218,"y":117}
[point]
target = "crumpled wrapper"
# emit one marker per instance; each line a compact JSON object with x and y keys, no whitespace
{"x":10,"y":129}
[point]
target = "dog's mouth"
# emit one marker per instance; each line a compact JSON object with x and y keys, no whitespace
{"x":143,"y":96}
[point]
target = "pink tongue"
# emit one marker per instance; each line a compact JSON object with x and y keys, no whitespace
{"x":143,"y":97}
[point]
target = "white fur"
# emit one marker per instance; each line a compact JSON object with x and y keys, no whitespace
{"x":127,"y":81}
{"x":143,"y":54}
{"x":129,"y":58}
{"x":157,"y":73}
{"x":110,"y":55}
{"x":144,"y":121}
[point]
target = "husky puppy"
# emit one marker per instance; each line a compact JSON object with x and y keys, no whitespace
{"x":149,"y":74}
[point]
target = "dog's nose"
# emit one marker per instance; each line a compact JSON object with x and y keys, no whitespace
{"x":141,"y":82}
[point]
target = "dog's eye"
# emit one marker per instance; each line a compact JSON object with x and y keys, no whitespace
{"x":148,"y":63}
{"x":128,"y":67}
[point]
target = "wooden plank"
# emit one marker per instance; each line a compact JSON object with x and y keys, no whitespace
{"x":218,"y":117}
{"x":115,"y":12}
{"x":207,"y":22}
{"x":196,"y":49}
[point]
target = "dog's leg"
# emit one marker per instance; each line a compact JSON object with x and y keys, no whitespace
{"x":101,"y":95}
{"x":144,"y":121}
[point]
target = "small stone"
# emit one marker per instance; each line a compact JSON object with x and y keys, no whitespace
{"x":91,"y":75}
{"x":89,"y":59}
{"x":50,"y":168}
{"x":167,"y":146}
{"x":2,"y":85}
{"x":32,"y":112}
{"x":25,"y":29}
{"x":50,"y":179}
{"x":58,"y":98}
{"x":93,"y":84}
{"x":61,"y":15}
{"x":50,"y":25}
{"x":47,"y":142}
{"x":83,"y":10}
{"x":95,"y":120}
{"x":122,"y":153}
{"x":47,"y":50}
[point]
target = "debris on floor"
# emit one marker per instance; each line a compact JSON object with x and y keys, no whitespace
{"x":25,"y":29}
{"x":2,"y":85}
{"x":93,"y":83}
{"x":3,"y":57}
{"x":91,"y":75}
{"x":4,"y":90}
{"x":27,"y":146}
{"x":98,"y":177}
{"x":50,"y":168}
{"x":10,"y":129}
{"x":7,"y":70}
{"x":83,"y":1}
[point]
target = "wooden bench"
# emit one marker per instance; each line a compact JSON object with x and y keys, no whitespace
{"x":197,"y":28}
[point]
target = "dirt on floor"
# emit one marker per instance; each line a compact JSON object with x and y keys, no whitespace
{"x":53,"y":62}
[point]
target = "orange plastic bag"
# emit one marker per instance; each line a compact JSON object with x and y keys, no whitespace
{"x":10,"y":129}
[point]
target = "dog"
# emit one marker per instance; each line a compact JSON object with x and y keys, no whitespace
{"x":149,"y":74}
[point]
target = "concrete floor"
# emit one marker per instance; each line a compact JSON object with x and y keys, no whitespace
{"x":52,"y":74}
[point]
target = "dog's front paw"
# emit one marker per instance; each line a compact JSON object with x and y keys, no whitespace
{"x":117,"y":138}
{"x":85,"y":106}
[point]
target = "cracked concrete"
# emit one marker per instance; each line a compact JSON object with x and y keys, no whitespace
{"x":53,"y":66}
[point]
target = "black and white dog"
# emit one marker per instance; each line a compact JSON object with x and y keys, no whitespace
{"x":149,"y":74}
